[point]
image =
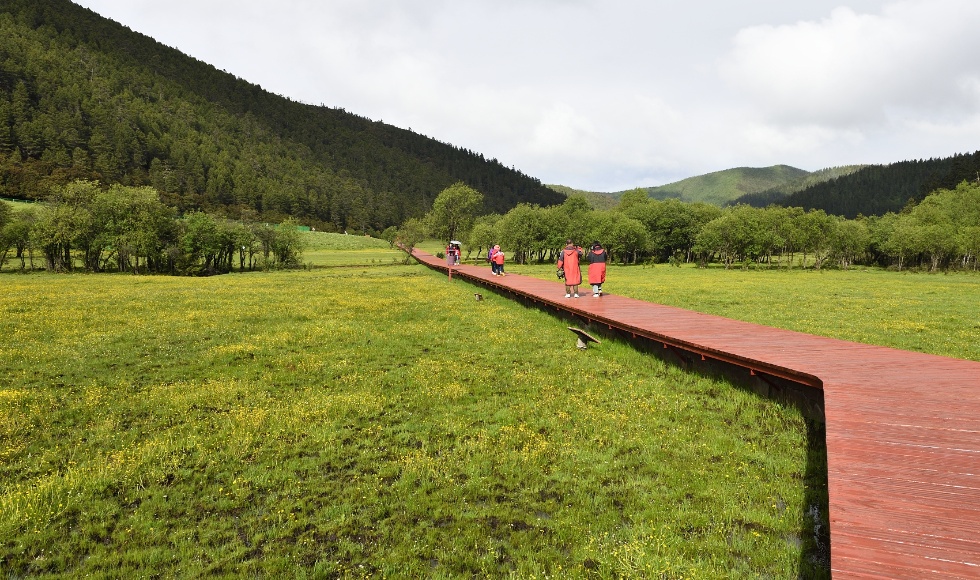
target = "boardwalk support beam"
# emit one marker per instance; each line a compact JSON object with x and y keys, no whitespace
{"x":772,"y":385}
{"x":685,"y":362}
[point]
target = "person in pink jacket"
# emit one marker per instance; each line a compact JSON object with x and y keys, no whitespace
{"x":498,"y":260}
{"x":490,"y":254}
{"x":568,"y":260}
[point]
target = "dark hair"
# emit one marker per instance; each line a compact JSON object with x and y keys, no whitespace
{"x":596,"y":245}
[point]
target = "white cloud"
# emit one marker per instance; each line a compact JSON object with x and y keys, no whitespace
{"x":767,"y":141}
{"x":612,"y":94}
{"x":849,"y":69}
{"x":561,"y":130}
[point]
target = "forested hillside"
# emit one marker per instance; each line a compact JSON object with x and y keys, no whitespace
{"x":879,"y":189}
{"x":781,"y":192}
{"x":82,"y":97}
{"x":720,"y":187}
{"x":597,"y":200}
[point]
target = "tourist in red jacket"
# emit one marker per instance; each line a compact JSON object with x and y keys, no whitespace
{"x":490,"y":253}
{"x":498,"y":260}
{"x":568,"y":260}
{"x":597,"y":268}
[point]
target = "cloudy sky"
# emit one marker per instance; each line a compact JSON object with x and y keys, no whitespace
{"x":607,"y":95}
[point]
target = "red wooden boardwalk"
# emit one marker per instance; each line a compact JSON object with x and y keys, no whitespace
{"x":903,"y":428}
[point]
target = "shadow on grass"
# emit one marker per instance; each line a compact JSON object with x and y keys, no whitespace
{"x":815,"y":557}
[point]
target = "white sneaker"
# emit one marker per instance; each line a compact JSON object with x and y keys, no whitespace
{"x":576,"y":295}
{"x":568,"y":295}
{"x":596,"y":295}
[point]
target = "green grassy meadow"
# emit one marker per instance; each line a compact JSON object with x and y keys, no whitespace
{"x":365,"y":421}
{"x":17,"y":205}
{"x":324,"y":249}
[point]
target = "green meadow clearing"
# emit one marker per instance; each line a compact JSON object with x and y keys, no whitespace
{"x":372,"y":419}
{"x":323,"y":249}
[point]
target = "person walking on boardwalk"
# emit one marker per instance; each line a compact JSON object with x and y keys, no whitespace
{"x":457,"y":253}
{"x":498,"y":261}
{"x":568,"y":261}
{"x":597,"y":268}
{"x":493,"y":266}
{"x":450,"y":255}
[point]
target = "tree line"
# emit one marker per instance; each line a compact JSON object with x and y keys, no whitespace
{"x":120,"y":228}
{"x":941,"y":232}
{"x":82,"y":97}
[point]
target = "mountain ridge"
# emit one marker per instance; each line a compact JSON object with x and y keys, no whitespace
{"x":847,"y":191}
{"x":879,"y":189}
{"x":597,"y":199}
{"x":85,"y":97}
{"x":721,"y":187}
{"x":781,"y":192}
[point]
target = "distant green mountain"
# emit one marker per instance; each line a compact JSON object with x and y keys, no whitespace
{"x":848,"y":190}
{"x":879,"y":189}
{"x":781,"y":192}
{"x":597,"y":199}
{"x":720,"y":187}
